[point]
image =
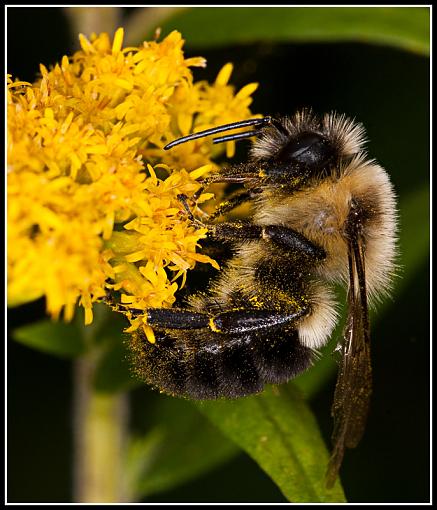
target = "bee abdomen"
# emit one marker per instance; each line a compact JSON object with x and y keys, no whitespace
{"x":231,"y":367}
{"x":282,"y":357}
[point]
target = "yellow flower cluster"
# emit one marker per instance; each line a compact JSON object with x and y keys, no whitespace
{"x":87,"y":213}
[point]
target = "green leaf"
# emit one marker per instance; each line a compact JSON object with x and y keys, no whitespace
{"x":113,"y":372}
{"x":106,"y":324}
{"x":57,"y":338}
{"x":414,"y":234}
{"x":278,"y":430}
{"x":181,"y":446}
{"x":407,"y":28}
{"x":316,"y":377}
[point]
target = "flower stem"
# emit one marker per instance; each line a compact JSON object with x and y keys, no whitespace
{"x":100,"y":421}
{"x":86,"y":20}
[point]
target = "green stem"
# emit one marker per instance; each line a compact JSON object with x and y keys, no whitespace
{"x":100,"y":421}
{"x":86,"y":20}
{"x":143,"y":22}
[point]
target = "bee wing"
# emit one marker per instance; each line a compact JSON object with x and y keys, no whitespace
{"x":354,"y":382}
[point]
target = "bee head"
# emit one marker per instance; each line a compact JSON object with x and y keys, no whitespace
{"x":305,"y":154}
{"x":297,"y":150}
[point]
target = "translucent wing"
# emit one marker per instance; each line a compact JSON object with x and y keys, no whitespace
{"x":354,"y":382}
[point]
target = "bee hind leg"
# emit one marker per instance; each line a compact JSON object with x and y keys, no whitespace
{"x":227,"y":322}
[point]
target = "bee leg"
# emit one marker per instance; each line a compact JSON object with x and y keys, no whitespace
{"x":233,"y":202}
{"x":283,"y":237}
{"x":291,"y":240}
{"x":226,"y":322}
{"x":233,"y":175}
{"x":184,"y":200}
{"x":176,"y":318}
{"x":245,"y":320}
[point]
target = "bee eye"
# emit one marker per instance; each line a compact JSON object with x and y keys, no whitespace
{"x":309,"y":151}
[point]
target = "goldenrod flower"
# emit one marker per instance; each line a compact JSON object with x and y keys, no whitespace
{"x":87,"y":213}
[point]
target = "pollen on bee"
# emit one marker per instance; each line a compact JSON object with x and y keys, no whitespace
{"x":212,"y":325}
{"x":256,"y":302}
{"x":150,"y":335}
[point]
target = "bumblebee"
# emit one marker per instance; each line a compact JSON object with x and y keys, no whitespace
{"x":323,"y":214}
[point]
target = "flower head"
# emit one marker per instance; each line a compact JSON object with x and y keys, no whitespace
{"x":87,"y":213}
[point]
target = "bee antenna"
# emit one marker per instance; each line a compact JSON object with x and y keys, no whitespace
{"x":237,"y":136}
{"x":225,"y":127}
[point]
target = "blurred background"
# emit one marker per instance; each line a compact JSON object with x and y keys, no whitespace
{"x":384,"y":85}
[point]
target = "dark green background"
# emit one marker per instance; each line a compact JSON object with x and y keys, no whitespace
{"x":388,"y":91}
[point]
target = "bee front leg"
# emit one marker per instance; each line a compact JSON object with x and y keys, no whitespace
{"x":195,"y":222}
{"x":234,"y":201}
{"x":231,"y":175}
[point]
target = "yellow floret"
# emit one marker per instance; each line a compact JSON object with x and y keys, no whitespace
{"x":87,"y":212}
